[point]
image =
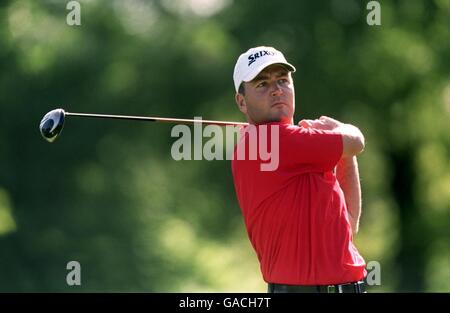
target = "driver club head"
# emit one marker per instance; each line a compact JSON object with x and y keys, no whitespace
{"x":52,"y":124}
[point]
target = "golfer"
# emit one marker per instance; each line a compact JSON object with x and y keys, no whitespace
{"x":302,"y":215}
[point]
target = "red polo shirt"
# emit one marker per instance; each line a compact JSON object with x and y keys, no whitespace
{"x":296,"y":215}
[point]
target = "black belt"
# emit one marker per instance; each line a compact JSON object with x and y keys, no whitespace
{"x":356,"y":287}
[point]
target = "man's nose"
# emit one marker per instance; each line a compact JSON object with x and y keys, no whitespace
{"x":276,"y":89}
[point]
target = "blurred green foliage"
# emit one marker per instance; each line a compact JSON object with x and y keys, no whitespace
{"x":108,"y":194}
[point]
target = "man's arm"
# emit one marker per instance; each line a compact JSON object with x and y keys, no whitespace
{"x":347,"y":172}
{"x":347,"y":175}
{"x":352,"y":138}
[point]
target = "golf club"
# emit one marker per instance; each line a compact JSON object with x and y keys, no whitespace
{"x":53,"y":122}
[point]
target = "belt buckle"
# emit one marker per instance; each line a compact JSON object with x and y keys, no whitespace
{"x":331,"y":289}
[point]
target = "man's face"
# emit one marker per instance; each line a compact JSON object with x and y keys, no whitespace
{"x":269,"y":97}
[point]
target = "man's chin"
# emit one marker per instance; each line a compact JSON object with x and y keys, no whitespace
{"x":283,"y":117}
{"x":279,"y":119}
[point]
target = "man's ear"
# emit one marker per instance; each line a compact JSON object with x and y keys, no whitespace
{"x":240,"y":101}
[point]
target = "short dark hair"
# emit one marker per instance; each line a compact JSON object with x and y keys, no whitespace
{"x":241,"y":89}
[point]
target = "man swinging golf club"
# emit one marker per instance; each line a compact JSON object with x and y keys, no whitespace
{"x":301,"y":216}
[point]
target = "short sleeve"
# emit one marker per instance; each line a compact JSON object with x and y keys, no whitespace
{"x":319,"y":150}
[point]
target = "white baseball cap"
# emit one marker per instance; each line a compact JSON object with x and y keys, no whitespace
{"x":250,"y":63}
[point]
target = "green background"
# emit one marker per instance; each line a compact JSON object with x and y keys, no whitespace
{"x":108,"y":194}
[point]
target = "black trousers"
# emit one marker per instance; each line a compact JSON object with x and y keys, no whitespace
{"x":355,"y":287}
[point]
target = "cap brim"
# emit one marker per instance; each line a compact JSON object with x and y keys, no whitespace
{"x":258,"y":70}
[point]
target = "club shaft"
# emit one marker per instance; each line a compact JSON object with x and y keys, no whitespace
{"x":157,"y":119}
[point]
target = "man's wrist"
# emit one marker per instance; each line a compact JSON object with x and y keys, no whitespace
{"x":346,"y":160}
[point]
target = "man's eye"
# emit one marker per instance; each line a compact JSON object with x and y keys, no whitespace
{"x":283,"y":81}
{"x":261,"y":84}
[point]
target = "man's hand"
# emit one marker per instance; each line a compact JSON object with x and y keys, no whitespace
{"x":323,"y":123}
